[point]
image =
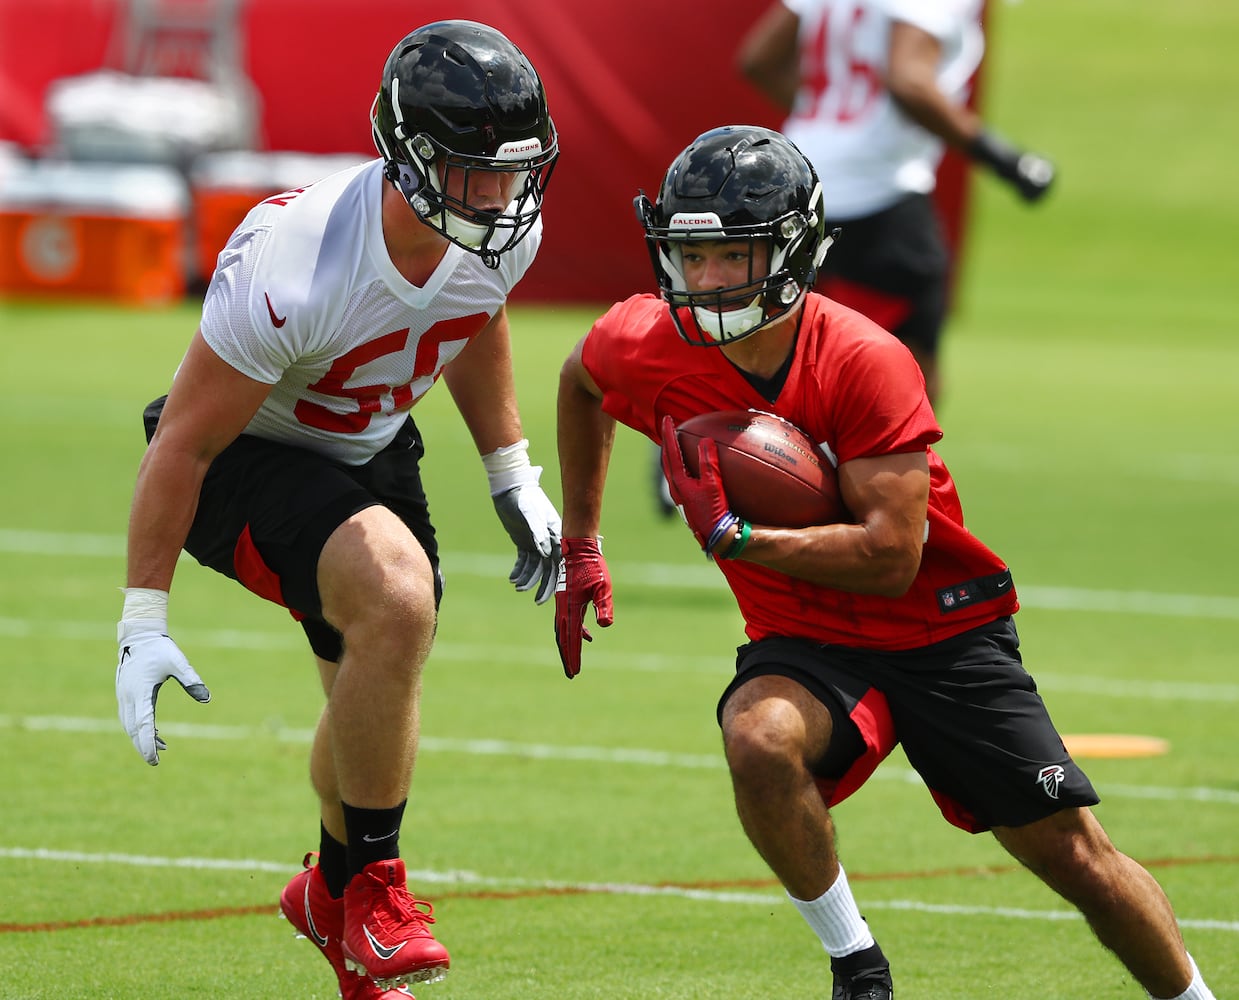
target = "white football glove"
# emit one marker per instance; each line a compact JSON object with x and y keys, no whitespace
{"x":531,"y":520}
{"x":148,"y":657}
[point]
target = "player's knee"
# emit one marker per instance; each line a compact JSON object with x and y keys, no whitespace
{"x":401,"y":615}
{"x":1085,"y":866}
{"x":376,"y":581}
{"x":763,"y":743}
{"x":1068,"y":851}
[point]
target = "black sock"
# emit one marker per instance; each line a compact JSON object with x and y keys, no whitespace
{"x":332,"y":862}
{"x":850,"y":966}
{"x":373,"y":835}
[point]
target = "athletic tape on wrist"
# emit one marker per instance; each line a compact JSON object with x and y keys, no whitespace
{"x":145,"y":606}
{"x":509,"y":466}
{"x":145,"y":602}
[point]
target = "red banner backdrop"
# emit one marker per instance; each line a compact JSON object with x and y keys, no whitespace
{"x":629,"y":86}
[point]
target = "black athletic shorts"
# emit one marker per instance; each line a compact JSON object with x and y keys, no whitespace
{"x":893,"y":266}
{"x":266,"y":510}
{"x":966,"y":712}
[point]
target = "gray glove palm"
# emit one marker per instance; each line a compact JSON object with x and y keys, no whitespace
{"x":148,"y":658}
{"x":533,"y":524}
{"x":531,"y":520}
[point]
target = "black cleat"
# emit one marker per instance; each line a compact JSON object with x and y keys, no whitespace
{"x":864,"y":984}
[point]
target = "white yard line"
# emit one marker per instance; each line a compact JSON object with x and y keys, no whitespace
{"x":676,"y":576}
{"x":543,"y":657}
{"x":542,"y":751}
{"x":461,"y":879}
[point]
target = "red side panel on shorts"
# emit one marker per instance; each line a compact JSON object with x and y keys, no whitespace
{"x":957,"y":815}
{"x":885,"y":309}
{"x":873,"y":719}
{"x":256,"y":575}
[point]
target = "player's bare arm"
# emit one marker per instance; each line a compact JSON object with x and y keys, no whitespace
{"x":913,"y":84}
{"x":481,"y":383}
{"x":769,"y":58}
{"x":209,"y":404}
{"x":586,"y":435}
{"x":912,"y":79}
{"x":878,"y":554}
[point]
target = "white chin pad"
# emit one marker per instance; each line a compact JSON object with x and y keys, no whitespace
{"x":733,"y":323}
{"x":469,"y":233}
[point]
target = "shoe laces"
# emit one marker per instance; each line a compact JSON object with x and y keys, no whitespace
{"x":402,"y":902}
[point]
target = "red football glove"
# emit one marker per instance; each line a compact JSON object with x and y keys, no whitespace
{"x":701,"y":499}
{"x":583,"y":578}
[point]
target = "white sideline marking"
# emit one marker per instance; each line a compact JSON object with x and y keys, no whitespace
{"x":674,"y":576}
{"x":61,"y":543}
{"x":541,"y":751}
{"x":598,"y":888}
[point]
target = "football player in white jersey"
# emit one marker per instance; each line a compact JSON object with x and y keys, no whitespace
{"x":874,"y":91}
{"x":284,"y":454}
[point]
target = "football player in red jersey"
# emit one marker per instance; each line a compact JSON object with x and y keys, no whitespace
{"x":893,"y":626}
{"x":284,"y":455}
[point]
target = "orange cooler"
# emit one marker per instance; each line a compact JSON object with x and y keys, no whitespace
{"x":93,"y":230}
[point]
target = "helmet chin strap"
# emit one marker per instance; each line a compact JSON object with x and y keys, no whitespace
{"x":470,"y":234}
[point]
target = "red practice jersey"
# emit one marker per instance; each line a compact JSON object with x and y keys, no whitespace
{"x":855,"y":390}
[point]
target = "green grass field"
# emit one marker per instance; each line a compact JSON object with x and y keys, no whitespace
{"x":579,"y":839}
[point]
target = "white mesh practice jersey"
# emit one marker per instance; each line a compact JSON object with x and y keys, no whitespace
{"x":306,"y":299}
{"x":866,"y":152}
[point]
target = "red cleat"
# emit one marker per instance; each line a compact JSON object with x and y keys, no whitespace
{"x":309,"y":907}
{"x":386,"y":931}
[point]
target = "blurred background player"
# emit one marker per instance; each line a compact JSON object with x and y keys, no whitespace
{"x":874,"y":90}
{"x":894,"y":626}
{"x":284,"y":455}
{"x":873,"y":93}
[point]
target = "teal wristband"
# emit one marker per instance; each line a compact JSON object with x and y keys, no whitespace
{"x":742,"y":539}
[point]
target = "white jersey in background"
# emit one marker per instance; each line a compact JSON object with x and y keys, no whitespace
{"x":306,"y":299}
{"x":844,"y":119}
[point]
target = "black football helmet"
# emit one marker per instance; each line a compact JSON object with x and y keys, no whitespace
{"x":458,"y":95}
{"x":738,"y":182}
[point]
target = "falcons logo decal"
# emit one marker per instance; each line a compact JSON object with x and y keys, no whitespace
{"x":1049,"y":778}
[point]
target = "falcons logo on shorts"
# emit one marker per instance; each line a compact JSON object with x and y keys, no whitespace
{"x":1050,"y":778}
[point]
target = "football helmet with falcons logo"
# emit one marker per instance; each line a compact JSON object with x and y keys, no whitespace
{"x":459,"y":96}
{"x":737,"y":183}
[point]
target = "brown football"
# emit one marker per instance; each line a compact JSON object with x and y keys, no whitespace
{"x":772,"y":472}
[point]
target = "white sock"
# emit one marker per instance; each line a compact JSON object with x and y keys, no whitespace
{"x":836,"y":920}
{"x":1196,"y":989}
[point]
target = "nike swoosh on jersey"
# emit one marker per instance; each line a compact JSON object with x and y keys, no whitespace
{"x":276,"y":321}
